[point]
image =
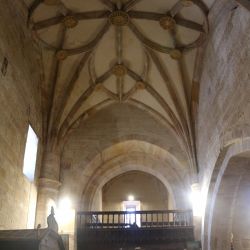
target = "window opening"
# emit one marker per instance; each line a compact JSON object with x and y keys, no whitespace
{"x":131,"y":207}
{"x":29,"y":162}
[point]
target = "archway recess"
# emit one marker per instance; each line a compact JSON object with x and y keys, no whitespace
{"x":135,"y":190}
{"x":229,"y":192}
{"x":130,"y":155}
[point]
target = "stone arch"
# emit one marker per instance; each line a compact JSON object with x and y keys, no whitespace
{"x":115,"y":124}
{"x":125,"y":156}
{"x":224,"y":161}
{"x":132,"y":162}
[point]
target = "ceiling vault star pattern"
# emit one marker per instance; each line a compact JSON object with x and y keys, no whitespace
{"x":101,"y":52}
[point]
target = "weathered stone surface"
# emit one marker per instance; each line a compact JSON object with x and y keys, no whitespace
{"x":144,"y":187}
{"x":223,"y":114}
{"x":122,"y":137}
{"x":116,"y":138}
{"x":20,"y":104}
{"x":230,"y":221}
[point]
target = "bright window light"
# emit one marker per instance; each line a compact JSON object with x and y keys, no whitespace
{"x":131,"y":198}
{"x":132,"y":206}
{"x":65,"y":215}
{"x":29,"y":163}
{"x":196,"y":199}
{"x":65,"y":203}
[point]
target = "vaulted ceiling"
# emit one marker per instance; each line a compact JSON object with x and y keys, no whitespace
{"x":99,"y":52}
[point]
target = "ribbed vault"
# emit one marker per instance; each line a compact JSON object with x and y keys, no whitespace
{"x":138,"y":51}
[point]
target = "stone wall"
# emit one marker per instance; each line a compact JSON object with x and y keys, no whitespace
{"x":19,"y":105}
{"x":224,"y":104}
{"x":145,"y":188}
{"x":230,"y":221}
{"x":113,"y":124}
{"x":99,"y":144}
{"x":223,"y":115}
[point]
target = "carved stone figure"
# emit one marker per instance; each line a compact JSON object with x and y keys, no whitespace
{"x":51,"y":221}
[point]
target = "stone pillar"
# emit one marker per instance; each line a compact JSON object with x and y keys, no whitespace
{"x":48,"y":186}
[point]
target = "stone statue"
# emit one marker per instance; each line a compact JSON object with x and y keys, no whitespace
{"x":51,"y":221}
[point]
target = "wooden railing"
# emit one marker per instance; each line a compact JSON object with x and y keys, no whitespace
{"x":137,"y":219}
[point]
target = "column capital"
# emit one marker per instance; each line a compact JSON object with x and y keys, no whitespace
{"x":46,"y":183}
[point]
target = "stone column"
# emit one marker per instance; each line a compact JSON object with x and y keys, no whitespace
{"x":48,"y":186}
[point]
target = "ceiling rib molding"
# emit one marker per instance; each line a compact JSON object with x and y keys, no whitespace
{"x":184,"y":135}
{"x":64,"y":132}
{"x":83,"y":97}
{"x":54,"y":82}
{"x":91,"y":44}
{"x":70,"y":87}
{"x":108,"y":4}
{"x":176,"y":8}
{"x":77,"y":106}
{"x":159,"y":98}
{"x":117,"y":16}
{"x":79,"y":17}
{"x":184,"y":121}
{"x":132,"y":14}
{"x":130,"y":4}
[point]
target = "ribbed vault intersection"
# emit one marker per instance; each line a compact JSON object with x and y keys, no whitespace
{"x":101,"y":52}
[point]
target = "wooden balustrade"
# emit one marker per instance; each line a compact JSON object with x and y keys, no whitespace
{"x":136,"y":219}
{"x":113,"y":230}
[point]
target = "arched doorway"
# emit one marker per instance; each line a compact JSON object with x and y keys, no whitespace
{"x":226,"y":221}
{"x":230,"y":221}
